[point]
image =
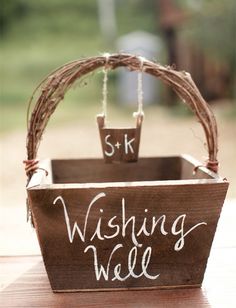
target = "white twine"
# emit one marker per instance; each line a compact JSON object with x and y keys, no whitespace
{"x":140,"y":89}
{"x":104,"y":87}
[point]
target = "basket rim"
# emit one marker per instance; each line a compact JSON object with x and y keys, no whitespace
{"x":40,"y":181}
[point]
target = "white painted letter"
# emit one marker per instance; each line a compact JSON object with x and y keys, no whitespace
{"x":102,"y":271}
{"x":145,"y":262}
{"x":110,"y":145}
{"x":180,"y":243}
{"x":125,"y":224}
{"x":128,"y":144}
{"x":111,"y":225}
{"x":71,"y":231}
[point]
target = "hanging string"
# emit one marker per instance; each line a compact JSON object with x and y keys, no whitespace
{"x":140,"y":89}
{"x":104,"y":87}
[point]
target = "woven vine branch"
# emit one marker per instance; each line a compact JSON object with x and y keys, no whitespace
{"x":53,"y":88}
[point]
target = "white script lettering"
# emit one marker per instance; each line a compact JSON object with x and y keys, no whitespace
{"x":125,"y":222}
{"x":100,"y":270}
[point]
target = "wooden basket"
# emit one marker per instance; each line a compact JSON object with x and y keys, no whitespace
{"x":146,"y":224}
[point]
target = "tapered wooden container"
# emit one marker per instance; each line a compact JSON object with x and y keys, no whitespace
{"x":145,"y":224}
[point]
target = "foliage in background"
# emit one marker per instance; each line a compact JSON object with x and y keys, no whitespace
{"x":38,"y":36}
{"x":212,"y":26}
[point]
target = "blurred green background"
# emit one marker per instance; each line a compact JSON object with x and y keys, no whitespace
{"x":38,"y":36}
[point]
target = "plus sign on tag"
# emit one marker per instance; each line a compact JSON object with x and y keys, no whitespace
{"x":120,"y":144}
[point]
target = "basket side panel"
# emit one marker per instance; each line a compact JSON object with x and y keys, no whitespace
{"x":129,"y":237}
{"x":95,"y":171}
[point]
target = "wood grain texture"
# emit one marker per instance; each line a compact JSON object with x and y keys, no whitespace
{"x":145,"y":169}
{"x":120,"y":144}
{"x":95,"y":171}
{"x":32,"y":288}
{"x":71,"y":266}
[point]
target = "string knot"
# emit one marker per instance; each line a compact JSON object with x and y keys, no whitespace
{"x":141,"y":60}
{"x":31,"y":166}
{"x":106,"y":55}
{"x":212,"y":165}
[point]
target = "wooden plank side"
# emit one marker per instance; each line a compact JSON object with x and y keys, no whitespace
{"x":120,"y":144}
{"x":32,"y":289}
{"x":143,"y":237}
{"x":95,"y":171}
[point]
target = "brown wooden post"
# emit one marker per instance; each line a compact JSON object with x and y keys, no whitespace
{"x":170,"y":18}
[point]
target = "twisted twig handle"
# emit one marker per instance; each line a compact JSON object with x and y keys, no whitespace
{"x":53,"y":88}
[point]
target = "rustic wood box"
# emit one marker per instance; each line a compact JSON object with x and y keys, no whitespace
{"x":145,"y":224}
{"x":172,"y":213}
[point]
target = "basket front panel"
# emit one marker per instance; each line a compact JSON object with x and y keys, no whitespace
{"x":126,"y":237}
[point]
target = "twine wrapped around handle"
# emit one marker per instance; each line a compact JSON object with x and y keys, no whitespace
{"x":53,"y":88}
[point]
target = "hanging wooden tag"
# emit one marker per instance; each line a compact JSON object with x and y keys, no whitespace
{"x":120,"y":144}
